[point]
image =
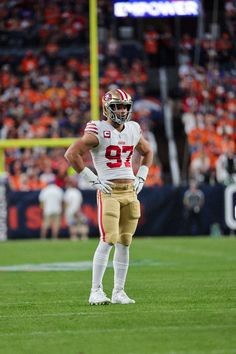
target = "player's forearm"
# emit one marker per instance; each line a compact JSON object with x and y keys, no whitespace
{"x":147,"y":158}
{"x":75,"y":160}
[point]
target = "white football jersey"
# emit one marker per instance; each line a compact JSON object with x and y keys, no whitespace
{"x":112,"y":158}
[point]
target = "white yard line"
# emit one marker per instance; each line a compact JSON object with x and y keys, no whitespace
{"x":73,"y":266}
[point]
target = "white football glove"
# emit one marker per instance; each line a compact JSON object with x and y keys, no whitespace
{"x":140,"y":178}
{"x":95,"y":182}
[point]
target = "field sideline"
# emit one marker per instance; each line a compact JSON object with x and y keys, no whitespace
{"x":185,"y":292}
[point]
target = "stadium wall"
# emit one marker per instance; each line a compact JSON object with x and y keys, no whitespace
{"x":162,"y":212}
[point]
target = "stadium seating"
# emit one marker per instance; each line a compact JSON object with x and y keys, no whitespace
{"x":45,"y":88}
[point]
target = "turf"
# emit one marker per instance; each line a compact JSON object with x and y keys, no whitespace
{"x":185,"y":292}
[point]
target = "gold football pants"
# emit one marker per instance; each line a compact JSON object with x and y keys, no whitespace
{"x":118,"y":214}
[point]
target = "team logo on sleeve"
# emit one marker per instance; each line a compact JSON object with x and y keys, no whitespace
{"x":107,"y":134}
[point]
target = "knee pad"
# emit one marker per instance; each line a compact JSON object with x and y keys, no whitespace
{"x":109,"y":215}
{"x":125,"y":239}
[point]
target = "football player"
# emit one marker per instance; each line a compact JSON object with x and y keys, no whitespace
{"x":111,"y":143}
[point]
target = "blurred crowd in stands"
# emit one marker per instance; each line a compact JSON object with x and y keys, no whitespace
{"x":208,"y":90}
{"x":45,"y":86}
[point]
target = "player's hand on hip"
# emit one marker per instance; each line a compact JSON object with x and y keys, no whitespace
{"x":138,"y":184}
{"x":140,"y":178}
{"x":95,"y":182}
{"x":103,"y":186}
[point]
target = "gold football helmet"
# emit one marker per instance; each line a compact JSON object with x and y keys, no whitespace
{"x":117,"y":106}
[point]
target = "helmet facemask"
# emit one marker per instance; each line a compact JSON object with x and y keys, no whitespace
{"x":111,"y":102}
{"x":120,"y":117}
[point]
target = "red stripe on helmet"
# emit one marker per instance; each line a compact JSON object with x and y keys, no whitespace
{"x":123,"y":94}
{"x":126,"y":96}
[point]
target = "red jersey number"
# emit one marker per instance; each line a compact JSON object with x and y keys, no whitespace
{"x":114,"y":153}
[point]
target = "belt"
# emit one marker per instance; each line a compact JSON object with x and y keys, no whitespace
{"x":122,"y":186}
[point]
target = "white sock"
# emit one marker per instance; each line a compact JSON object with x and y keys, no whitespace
{"x":121,"y":265}
{"x":100,"y":260}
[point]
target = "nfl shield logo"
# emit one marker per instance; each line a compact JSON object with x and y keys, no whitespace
{"x":107,"y":134}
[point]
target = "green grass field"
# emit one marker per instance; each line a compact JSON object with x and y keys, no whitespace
{"x":185,"y":292}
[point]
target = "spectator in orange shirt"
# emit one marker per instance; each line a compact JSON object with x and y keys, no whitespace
{"x":29,"y":62}
{"x":17,"y":177}
{"x":33,"y":181}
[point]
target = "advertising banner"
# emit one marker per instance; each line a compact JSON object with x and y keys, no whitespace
{"x":162,"y":212}
{"x":158,"y":8}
